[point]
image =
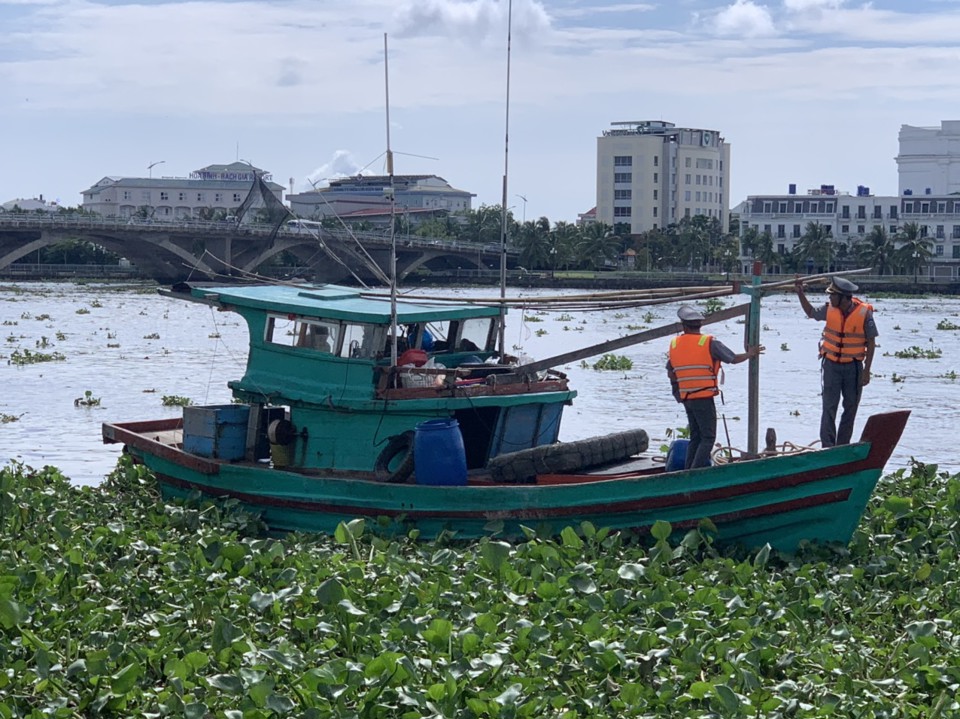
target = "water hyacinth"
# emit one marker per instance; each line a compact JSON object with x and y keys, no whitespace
{"x":114,"y":602}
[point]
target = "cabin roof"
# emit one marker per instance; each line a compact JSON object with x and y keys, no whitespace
{"x":337,"y":302}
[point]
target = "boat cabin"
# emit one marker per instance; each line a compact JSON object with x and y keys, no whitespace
{"x":319,"y":372}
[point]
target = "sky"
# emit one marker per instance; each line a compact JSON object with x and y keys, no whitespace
{"x":805,"y":91}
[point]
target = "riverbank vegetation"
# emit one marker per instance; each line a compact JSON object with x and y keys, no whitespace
{"x":115,"y":603}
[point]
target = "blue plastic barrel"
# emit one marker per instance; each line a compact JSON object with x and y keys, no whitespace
{"x":438,"y":454}
{"x":676,"y":455}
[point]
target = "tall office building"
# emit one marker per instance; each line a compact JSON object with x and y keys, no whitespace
{"x":929,"y":159}
{"x":651,"y":174}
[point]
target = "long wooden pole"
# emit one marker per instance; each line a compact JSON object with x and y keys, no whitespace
{"x":628,"y":340}
{"x":752,"y":331}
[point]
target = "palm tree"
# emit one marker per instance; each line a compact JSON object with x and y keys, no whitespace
{"x":815,"y":246}
{"x":876,"y":250}
{"x":533,"y":241}
{"x":915,"y":251}
{"x":597,"y":246}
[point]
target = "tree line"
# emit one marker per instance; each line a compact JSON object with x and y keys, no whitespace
{"x":904,"y":252}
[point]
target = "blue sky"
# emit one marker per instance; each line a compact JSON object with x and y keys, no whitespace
{"x":806,"y":91}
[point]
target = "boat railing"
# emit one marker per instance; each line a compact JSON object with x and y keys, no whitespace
{"x":409,"y":382}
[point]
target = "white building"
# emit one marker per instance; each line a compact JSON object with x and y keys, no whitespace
{"x":651,"y":174}
{"x":215,"y":187}
{"x":365,"y":195}
{"x":850,"y":218}
{"x":929,"y":159}
{"x":35,"y":204}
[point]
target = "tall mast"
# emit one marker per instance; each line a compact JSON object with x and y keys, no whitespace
{"x":392,"y":198}
{"x":503,"y":201}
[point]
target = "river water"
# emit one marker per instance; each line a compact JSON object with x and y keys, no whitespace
{"x":129,"y":347}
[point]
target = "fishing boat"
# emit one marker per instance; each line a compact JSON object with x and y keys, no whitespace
{"x":457,"y":436}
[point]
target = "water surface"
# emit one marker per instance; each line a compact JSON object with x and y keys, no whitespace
{"x":129,"y":347}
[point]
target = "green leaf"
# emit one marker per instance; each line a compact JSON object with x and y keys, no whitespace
{"x":570,"y":538}
{"x":728,"y":697}
{"x":700,"y":690}
{"x":510,"y":696}
{"x":330,"y":592}
{"x":10,"y":613}
{"x":227,"y":683}
{"x":225,"y":633}
{"x":494,"y":555}
{"x":661,"y":530}
{"x":631,"y":572}
{"x":125,"y":680}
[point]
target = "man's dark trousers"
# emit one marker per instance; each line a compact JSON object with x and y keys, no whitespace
{"x":840,"y":379}
{"x":702,"y":418}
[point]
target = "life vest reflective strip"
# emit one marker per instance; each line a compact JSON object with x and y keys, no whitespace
{"x":844,"y":339}
{"x":694,"y":368}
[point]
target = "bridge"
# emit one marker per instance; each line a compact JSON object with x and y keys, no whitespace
{"x":172,"y":251}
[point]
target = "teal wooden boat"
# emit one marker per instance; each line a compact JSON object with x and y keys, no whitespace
{"x":452,"y":437}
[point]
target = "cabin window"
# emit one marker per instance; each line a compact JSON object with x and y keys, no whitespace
{"x":300,"y":332}
{"x":364,"y":341}
{"x":475,"y":334}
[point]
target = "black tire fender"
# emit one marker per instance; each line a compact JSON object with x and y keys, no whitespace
{"x":398,"y":445}
{"x":567,"y":457}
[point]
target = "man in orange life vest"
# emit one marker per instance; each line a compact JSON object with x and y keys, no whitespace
{"x":693,"y":369}
{"x":846,"y":351}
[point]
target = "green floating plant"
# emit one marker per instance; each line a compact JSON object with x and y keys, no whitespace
{"x":173,"y":400}
{"x":613,"y":362}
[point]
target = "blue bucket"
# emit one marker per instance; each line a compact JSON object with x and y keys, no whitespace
{"x":438,"y":453}
{"x":676,"y":455}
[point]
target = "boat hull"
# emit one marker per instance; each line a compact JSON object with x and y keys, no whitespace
{"x":782,"y":500}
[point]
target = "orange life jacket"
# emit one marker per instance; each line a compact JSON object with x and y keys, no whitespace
{"x":844,"y":338}
{"x":695,"y":370}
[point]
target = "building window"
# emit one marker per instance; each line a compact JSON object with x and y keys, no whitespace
{"x":908,"y":208}
{"x":956,"y":252}
{"x":845,"y":212}
{"x":939,"y":232}
{"x":796,"y":230}
{"x":166,"y":211}
{"x":146,"y":196}
{"x":698,"y":196}
{"x":623,"y":177}
{"x":861,"y":229}
{"x":766,"y":229}
{"x":877,"y":212}
{"x":199,"y":197}
{"x":181,"y":196}
{"x":622,"y":194}
{"x":767,"y":208}
{"x":656,"y":194}
{"x":781,"y":231}
{"x":218,"y":197}
{"x":893,"y":212}
{"x":654,"y":211}
{"x":621,"y":212}
{"x":956,"y":232}
{"x":686,"y":163}
{"x":622,"y":161}
{"x":126,"y":194}
{"x":797,"y":208}
{"x":924,"y":207}
{"x":783,"y":207}
{"x":686,"y":195}
{"x":844,"y":229}
{"x":236,"y":197}
{"x":781,"y":249}
{"x":656,"y":160}
{"x":656,"y":177}
{"x":941,"y":208}
{"x":686,"y":179}
{"x":861,"y":213}
{"x":893,"y":229}
{"x":939,"y":250}
{"x":164,"y":196}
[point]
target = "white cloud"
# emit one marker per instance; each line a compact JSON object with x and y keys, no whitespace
{"x":808,"y":5}
{"x":746,"y":19}
{"x":471,"y":20}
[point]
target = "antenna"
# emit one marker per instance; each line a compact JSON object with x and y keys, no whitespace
{"x":503,"y":203}
{"x":393,"y":206}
